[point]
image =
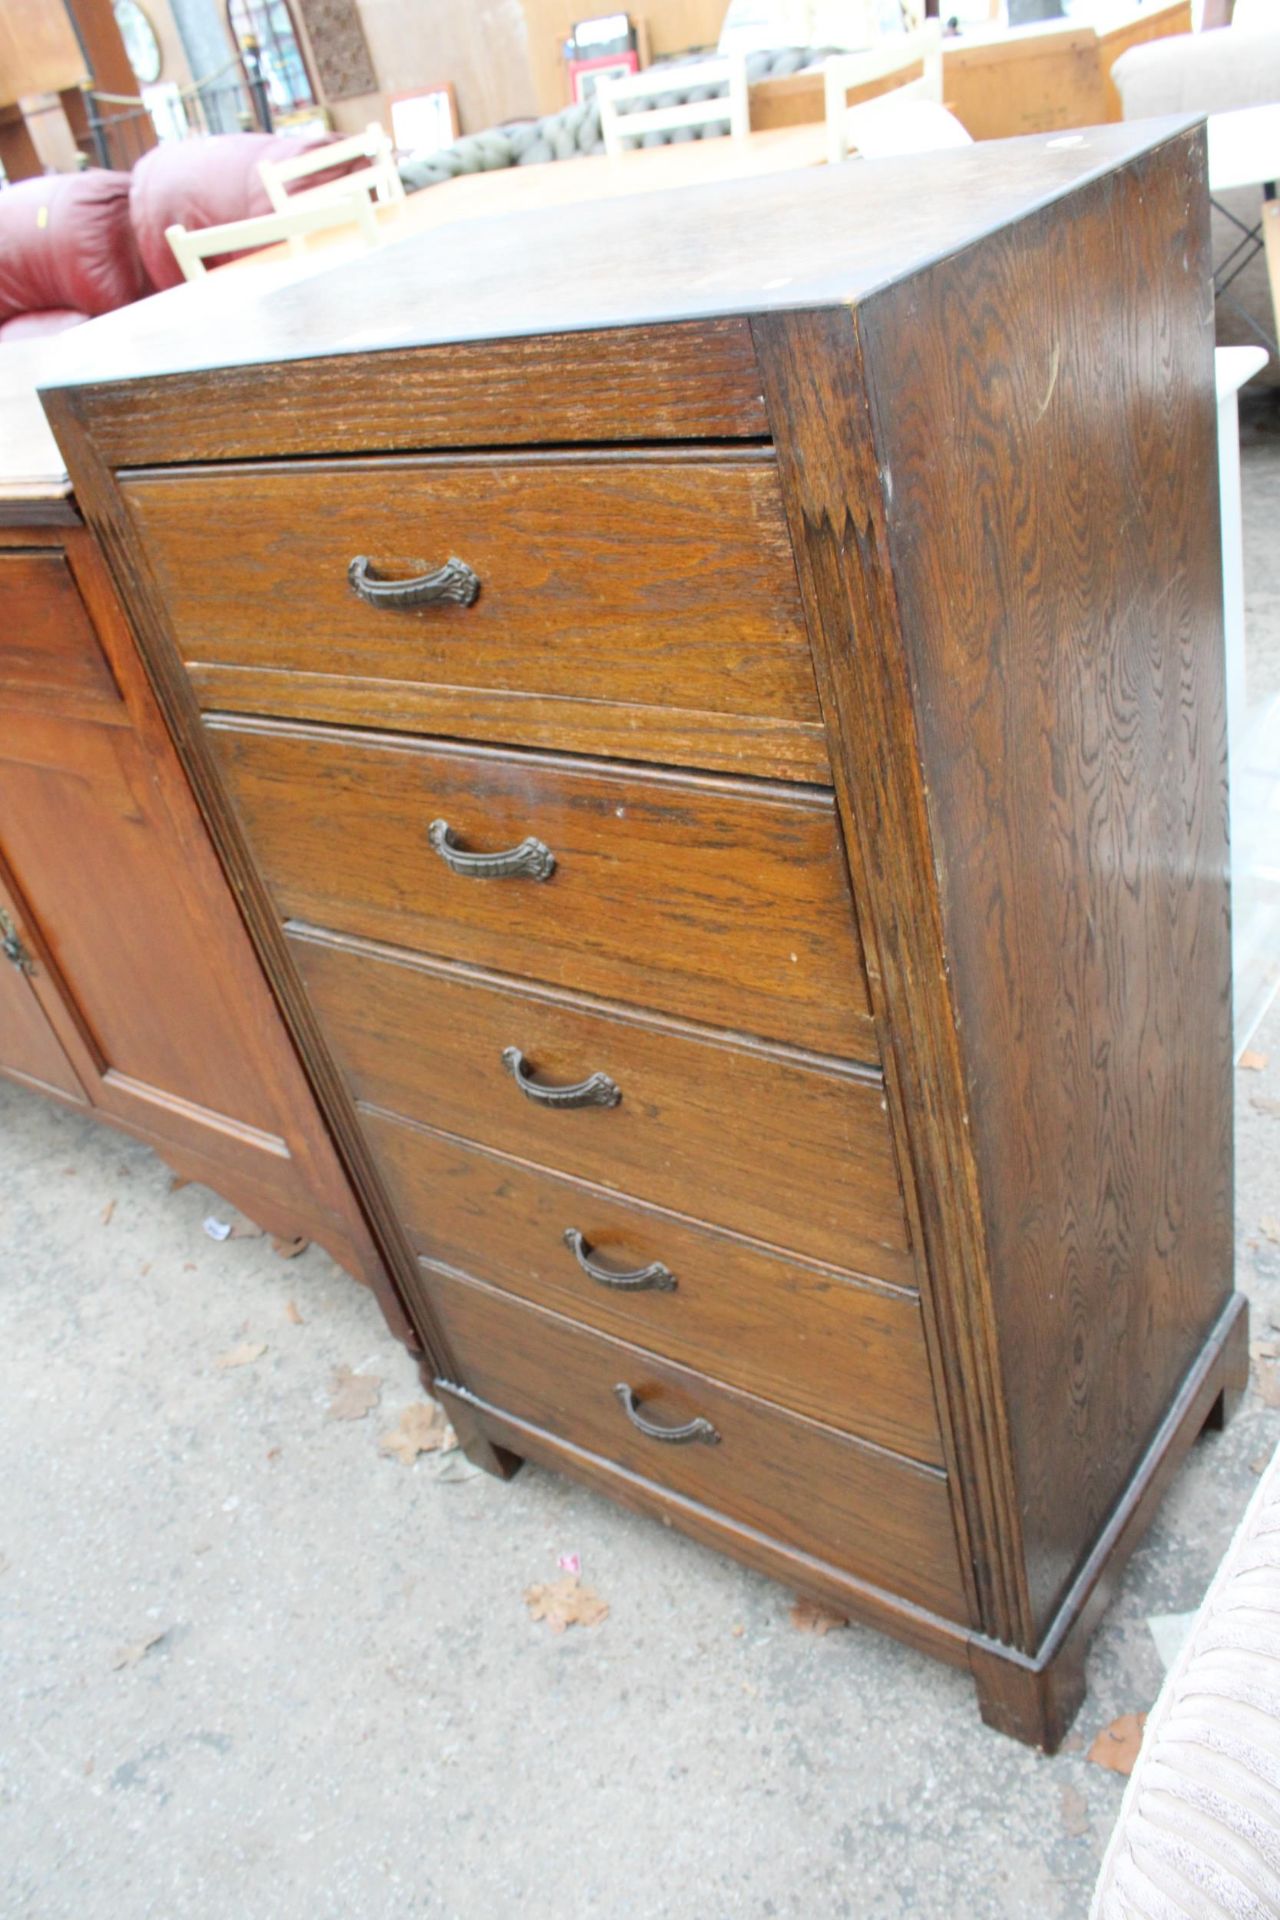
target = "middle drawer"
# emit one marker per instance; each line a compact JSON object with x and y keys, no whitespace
{"x":721,"y":901}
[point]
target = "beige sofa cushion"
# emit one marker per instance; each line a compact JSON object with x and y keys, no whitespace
{"x":1198,"y":1837}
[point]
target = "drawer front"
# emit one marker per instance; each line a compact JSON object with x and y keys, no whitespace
{"x":884,"y":1519}
{"x":715,"y":900}
{"x":797,"y":1156}
{"x":846,"y":1353}
{"x":624,"y":604}
{"x":50,"y":656}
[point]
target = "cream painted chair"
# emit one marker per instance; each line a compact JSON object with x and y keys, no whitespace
{"x":728,"y":74}
{"x":378,"y":177}
{"x":192,"y":248}
{"x":903,"y":73}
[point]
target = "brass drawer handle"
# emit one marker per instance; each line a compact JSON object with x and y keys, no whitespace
{"x":651,"y":1279}
{"x":598,"y":1090}
{"x":532,"y":857}
{"x":698,"y":1429}
{"x":453,"y":583}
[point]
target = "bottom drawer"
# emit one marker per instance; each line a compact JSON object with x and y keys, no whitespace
{"x":884,"y":1519}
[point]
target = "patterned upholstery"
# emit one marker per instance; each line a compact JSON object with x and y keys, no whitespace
{"x":1198,"y":1837}
{"x":563,"y":136}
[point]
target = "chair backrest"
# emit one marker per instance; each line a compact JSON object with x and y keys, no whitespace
{"x":192,"y":247}
{"x":727,"y":75}
{"x":378,"y":177}
{"x":909,"y":66}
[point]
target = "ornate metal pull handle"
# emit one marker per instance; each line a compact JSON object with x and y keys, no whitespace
{"x":598,"y":1090}
{"x":532,"y":857}
{"x":11,"y":945}
{"x":651,"y":1279}
{"x":698,"y":1429}
{"x":453,"y":583}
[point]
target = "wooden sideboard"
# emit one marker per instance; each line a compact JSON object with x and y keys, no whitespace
{"x":717,"y":722}
{"x":1001,"y":82}
{"x":128,"y":983}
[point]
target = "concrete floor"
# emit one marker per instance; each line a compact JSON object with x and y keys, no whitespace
{"x":350,"y":1715}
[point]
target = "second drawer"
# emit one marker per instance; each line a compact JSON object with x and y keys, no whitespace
{"x":721,"y":901}
{"x":839,"y":1350}
{"x":747,"y":1138}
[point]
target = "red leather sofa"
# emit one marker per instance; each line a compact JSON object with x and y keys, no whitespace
{"x":73,"y":245}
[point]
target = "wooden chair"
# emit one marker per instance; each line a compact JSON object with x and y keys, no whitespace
{"x":192,"y":248}
{"x":728,"y":72}
{"x":909,"y":68}
{"x":379,"y":177}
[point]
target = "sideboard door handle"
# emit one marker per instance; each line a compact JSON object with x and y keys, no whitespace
{"x":597,"y":1090}
{"x":452,"y":584}
{"x":532,"y":857}
{"x":652,"y":1279}
{"x":697,"y":1429}
{"x":11,"y":945}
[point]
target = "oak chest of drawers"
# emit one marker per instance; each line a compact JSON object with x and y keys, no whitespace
{"x":717,"y":720}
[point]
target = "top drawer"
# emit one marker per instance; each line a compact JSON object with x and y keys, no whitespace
{"x":630,"y":605}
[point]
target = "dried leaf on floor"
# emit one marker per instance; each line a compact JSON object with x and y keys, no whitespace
{"x":107,"y":1212}
{"x":1267,"y":1374}
{"x":1264,"y":1102}
{"x":1253,"y":1061}
{"x":292,"y":1315}
{"x":1264,"y":1349}
{"x":422,"y":1428}
{"x":1116,"y":1747}
{"x":354,"y":1394}
{"x":1075,"y":1812}
{"x":1271,"y":1228}
{"x":290,"y":1249}
{"x":243,"y":1355}
{"x":242,"y":1229}
{"x":130,"y":1656}
{"x":565,"y":1603}
{"x":1260,"y":1462}
{"x":812,"y":1616}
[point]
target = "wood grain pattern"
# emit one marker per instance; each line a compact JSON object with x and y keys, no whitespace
{"x":714,"y":900}
{"x":884,"y":1518}
{"x":754,"y":1139}
{"x":1063,"y":625}
{"x":695,"y":383}
{"x":812,"y":365}
{"x":841,"y":1351}
{"x":672,"y":736}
